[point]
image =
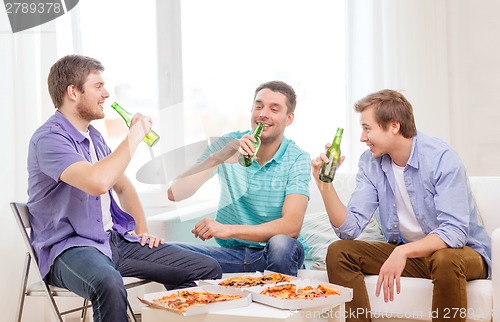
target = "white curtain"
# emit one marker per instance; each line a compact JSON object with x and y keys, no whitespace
{"x":26,"y":58}
{"x":443,"y":56}
{"x":400,"y":45}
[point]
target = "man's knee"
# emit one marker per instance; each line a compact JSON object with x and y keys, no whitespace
{"x":338,"y":249}
{"x":445,"y":262}
{"x":213,"y":270}
{"x":282,"y":248}
{"x":281,"y":242}
{"x":109,"y":282}
{"x":284,"y":254}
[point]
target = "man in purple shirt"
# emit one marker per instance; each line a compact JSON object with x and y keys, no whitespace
{"x":83,"y":240}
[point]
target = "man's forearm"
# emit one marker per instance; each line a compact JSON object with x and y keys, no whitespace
{"x":190,"y":181}
{"x":336,"y":210}
{"x":294,"y":209}
{"x":263,"y":232}
{"x":423,"y":247}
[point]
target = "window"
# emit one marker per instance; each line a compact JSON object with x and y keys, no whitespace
{"x":231,"y":47}
{"x":125,"y":43}
{"x":214,"y":54}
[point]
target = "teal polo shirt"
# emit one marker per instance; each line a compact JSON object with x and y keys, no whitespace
{"x":254,"y":195}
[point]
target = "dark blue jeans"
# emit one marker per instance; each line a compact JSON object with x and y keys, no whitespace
{"x":92,"y":275}
{"x":281,"y":254}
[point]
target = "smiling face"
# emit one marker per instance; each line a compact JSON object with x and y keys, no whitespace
{"x":91,"y":99}
{"x":380,"y":141}
{"x":270,"y":108}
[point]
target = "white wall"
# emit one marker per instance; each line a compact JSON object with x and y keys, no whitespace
{"x":443,"y":56}
{"x":473,"y":54}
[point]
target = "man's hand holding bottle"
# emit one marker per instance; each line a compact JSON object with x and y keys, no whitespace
{"x":235,"y":150}
{"x":140,"y":125}
{"x":317,"y":164}
{"x":228,"y":154}
{"x":247,"y":146}
{"x":326,"y":165}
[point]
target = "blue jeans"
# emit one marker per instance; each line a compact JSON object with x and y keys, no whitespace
{"x":281,"y":254}
{"x":92,"y":275}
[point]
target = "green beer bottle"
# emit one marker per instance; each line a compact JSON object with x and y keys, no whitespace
{"x":333,"y":153}
{"x":151,"y":138}
{"x":246,"y":160}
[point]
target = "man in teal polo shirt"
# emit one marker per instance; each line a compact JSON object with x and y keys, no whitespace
{"x":261,"y":207}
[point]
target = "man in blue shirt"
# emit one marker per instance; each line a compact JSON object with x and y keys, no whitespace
{"x":427,"y":214}
{"x":84,"y":241}
{"x":261,"y":207}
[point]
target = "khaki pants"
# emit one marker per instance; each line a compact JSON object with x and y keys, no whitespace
{"x":449,"y":269}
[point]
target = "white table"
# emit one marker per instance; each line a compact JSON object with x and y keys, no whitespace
{"x":252,"y":313}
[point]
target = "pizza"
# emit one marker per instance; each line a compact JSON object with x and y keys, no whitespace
{"x":290,"y":291}
{"x":248,"y":281}
{"x":182,"y":300}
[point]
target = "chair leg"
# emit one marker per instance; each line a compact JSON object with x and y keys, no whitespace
{"x":24,"y":284}
{"x":53,"y":303}
{"x":84,"y":309}
{"x":131,"y":311}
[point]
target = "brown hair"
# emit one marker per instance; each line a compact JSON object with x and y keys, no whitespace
{"x":70,"y":70}
{"x":389,"y":105}
{"x":283,"y":88}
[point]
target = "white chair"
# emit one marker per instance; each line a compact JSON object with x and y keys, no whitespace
{"x":40,"y":288}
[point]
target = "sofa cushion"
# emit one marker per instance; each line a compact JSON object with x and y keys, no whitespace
{"x":485,"y":190}
{"x":416,"y":293}
{"x":318,"y":234}
{"x":414,"y":301}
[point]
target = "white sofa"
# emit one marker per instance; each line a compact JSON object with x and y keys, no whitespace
{"x":414,"y":301}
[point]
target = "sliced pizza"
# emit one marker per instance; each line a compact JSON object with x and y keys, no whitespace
{"x":182,"y":300}
{"x":249,"y":281}
{"x":290,"y":291}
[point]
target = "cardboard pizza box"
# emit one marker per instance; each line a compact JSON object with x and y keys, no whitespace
{"x":245,"y":300}
{"x":298,"y":304}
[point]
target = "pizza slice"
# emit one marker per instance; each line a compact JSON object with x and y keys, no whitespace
{"x":290,"y":291}
{"x":284,"y":291}
{"x":182,"y":300}
{"x":249,"y":281}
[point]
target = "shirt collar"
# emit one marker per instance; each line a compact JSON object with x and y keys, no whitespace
{"x":386,"y":161}
{"x":278,"y":156}
{"x":71,"y":129}
{"x":413,"y":160}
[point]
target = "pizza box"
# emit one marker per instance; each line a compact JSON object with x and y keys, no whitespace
{"x":245,"y":300}
{"x":298,"y":304}
{"x":250,"y":274}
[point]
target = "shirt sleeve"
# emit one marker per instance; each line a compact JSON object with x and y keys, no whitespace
{"x":450,"y":200}
{"x":300,"y":176}
{"x":55,"y":152}
{"x":363,"y":202}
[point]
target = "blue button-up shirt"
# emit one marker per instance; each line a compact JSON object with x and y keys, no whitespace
{"x":439,"y":192}
{"x":63,"y":216}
